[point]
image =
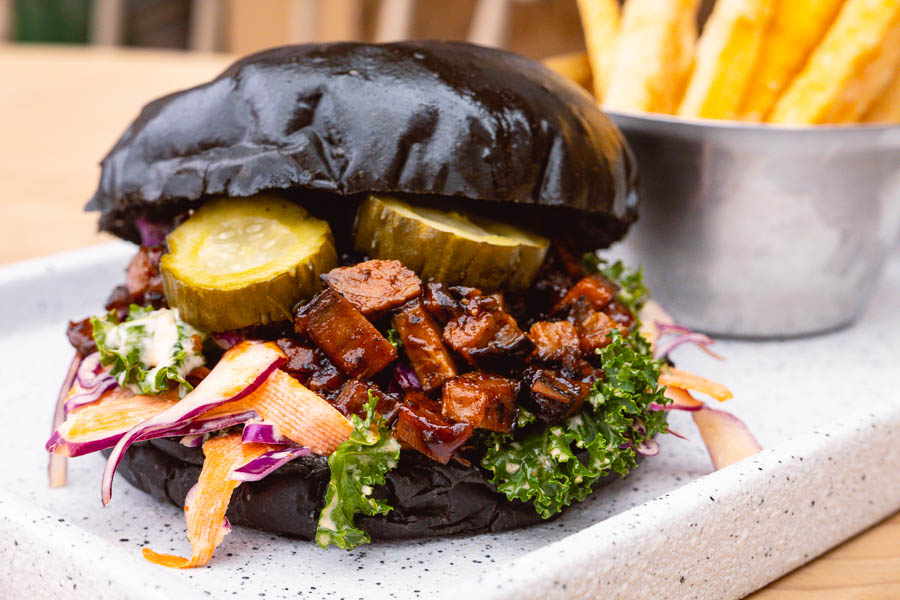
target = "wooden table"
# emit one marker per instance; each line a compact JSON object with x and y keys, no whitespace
{"x":61,"y":108}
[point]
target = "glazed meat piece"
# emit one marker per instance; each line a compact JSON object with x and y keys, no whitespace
{"x":344,"y":335}
{"x":555,"y":342}
{"x":596,"y":289}
{"x":482,"y":400}
{"x":551,"y":396}
{"x":422,"y":342}
{"x":143,"y":280}
{"x":354,"y":397}
{"x":594,"y":326}
{"x":375,"y":286}
{"x":487,"y":336}
{"x":446,"y":302}
{"x":421,"y":426}
{"x":81,"y":336}
{"x":620,"y":314}
{"x":560,"y":271}
{"x":310,"y":366}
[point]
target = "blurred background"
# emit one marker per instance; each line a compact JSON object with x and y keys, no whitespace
{"x":533,"y":28}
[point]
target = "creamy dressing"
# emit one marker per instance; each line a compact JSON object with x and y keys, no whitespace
{"x":159,"y":348}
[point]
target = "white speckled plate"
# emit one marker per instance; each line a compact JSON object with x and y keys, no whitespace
{"x":826,"y":408}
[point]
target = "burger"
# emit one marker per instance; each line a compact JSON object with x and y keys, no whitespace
{"x":367,"y":302}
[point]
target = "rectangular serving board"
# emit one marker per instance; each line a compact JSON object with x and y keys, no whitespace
{"x":826,"y":409}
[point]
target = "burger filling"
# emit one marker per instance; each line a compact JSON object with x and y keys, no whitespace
{"x":446,"y":334}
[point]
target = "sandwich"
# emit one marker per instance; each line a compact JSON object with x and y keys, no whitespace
{"x":366,"y":303}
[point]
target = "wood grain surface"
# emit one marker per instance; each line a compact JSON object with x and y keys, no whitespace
{"x":61,"y":108}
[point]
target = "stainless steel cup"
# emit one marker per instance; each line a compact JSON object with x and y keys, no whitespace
{"x":758,"y":231}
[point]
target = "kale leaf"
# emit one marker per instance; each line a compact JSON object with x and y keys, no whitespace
{"x":555,"y":465}
{"x":357,"y":466}
{"x":149,"y":350}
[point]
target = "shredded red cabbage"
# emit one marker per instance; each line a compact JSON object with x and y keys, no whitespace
{"x":227,"y":339}
{"x":263,"y":465}
{"x":106,"y":383}
{"x":57,"y":469}
{"x":90,"y":373}
{"x":249,"y":362}
{"x":195,"y":440}
{"x":107,"y":439}
{"x":683,"y":335}
{"x":152,"y":233}
{"x":406,"y":377}
{"x":263,"y":433}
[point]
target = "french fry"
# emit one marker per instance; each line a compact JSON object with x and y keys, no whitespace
{"x":855,"y":63}
{"x":726,"y":53}
{"x":600,"y":21}
{"x":653,"y":55}
{"x":574,"y":65}
{"x":797,"y":28}
{"x":886,"y":109}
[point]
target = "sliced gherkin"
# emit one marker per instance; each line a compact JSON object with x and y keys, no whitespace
{"x":449,"y":246}
{"x":245,"y":261}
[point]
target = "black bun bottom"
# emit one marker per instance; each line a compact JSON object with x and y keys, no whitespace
{"x":429,"y":499}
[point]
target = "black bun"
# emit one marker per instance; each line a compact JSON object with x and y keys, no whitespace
{"x":428,"y":118}
{"x":429,"y":499}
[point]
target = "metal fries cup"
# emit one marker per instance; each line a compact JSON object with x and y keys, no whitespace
{"x":752,"y":230}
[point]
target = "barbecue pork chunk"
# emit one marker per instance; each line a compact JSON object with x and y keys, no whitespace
{"x":423,"y":346}
{"x":310,"y":366}
{"x":555,"y":342}
{"x":375,"y":286}
{"x":346,"y":337}
{"x":594,"y":326}
{"x":486,"y":336}
{"x":482,"y":400}
{"x":421,"y":426}
{"x":551,"y":396}
{"x":354,"y":397}
{"x":445,"y":302}
{"x":596,"y":289}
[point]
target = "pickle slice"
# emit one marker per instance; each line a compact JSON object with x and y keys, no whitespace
{"x":245,"y":261}
{"x":449,"y":246}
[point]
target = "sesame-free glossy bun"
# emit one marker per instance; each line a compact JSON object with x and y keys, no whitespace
{"x":495,"y":132}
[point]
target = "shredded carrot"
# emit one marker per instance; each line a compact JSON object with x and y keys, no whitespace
{"x":206,"y":512}
{"x":688,"y":381}
{"x":681,"y":397}
{"x":117,"y":411}
{"x":299,"y":413}
{"x":726,"y":437}
{"x":651,"y":315}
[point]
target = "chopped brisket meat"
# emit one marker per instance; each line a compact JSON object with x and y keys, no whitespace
{"x":445,"y":302}
{"x":596,"y":289}
{"x":619,"y":313}
{"x":143,"y":280}
{"x":423,"y":346}
{"x":354,"y":397}
{"x":551,"y":396}
{"x":560,"y":271}
{"x":594,"y":326}
{"x":346,"y":337}
{"x":80,"y":334}
{"x":487,"y":336}
{"x":555,"y":342}
{"x":482,"y":400}
{"x":119,"y":300}
{"x":310,"y":366}
{"x":421,"y":426}
{"x":375,"y":286}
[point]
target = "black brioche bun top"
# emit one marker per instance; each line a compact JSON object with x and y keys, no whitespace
{"x":498,"y":133}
